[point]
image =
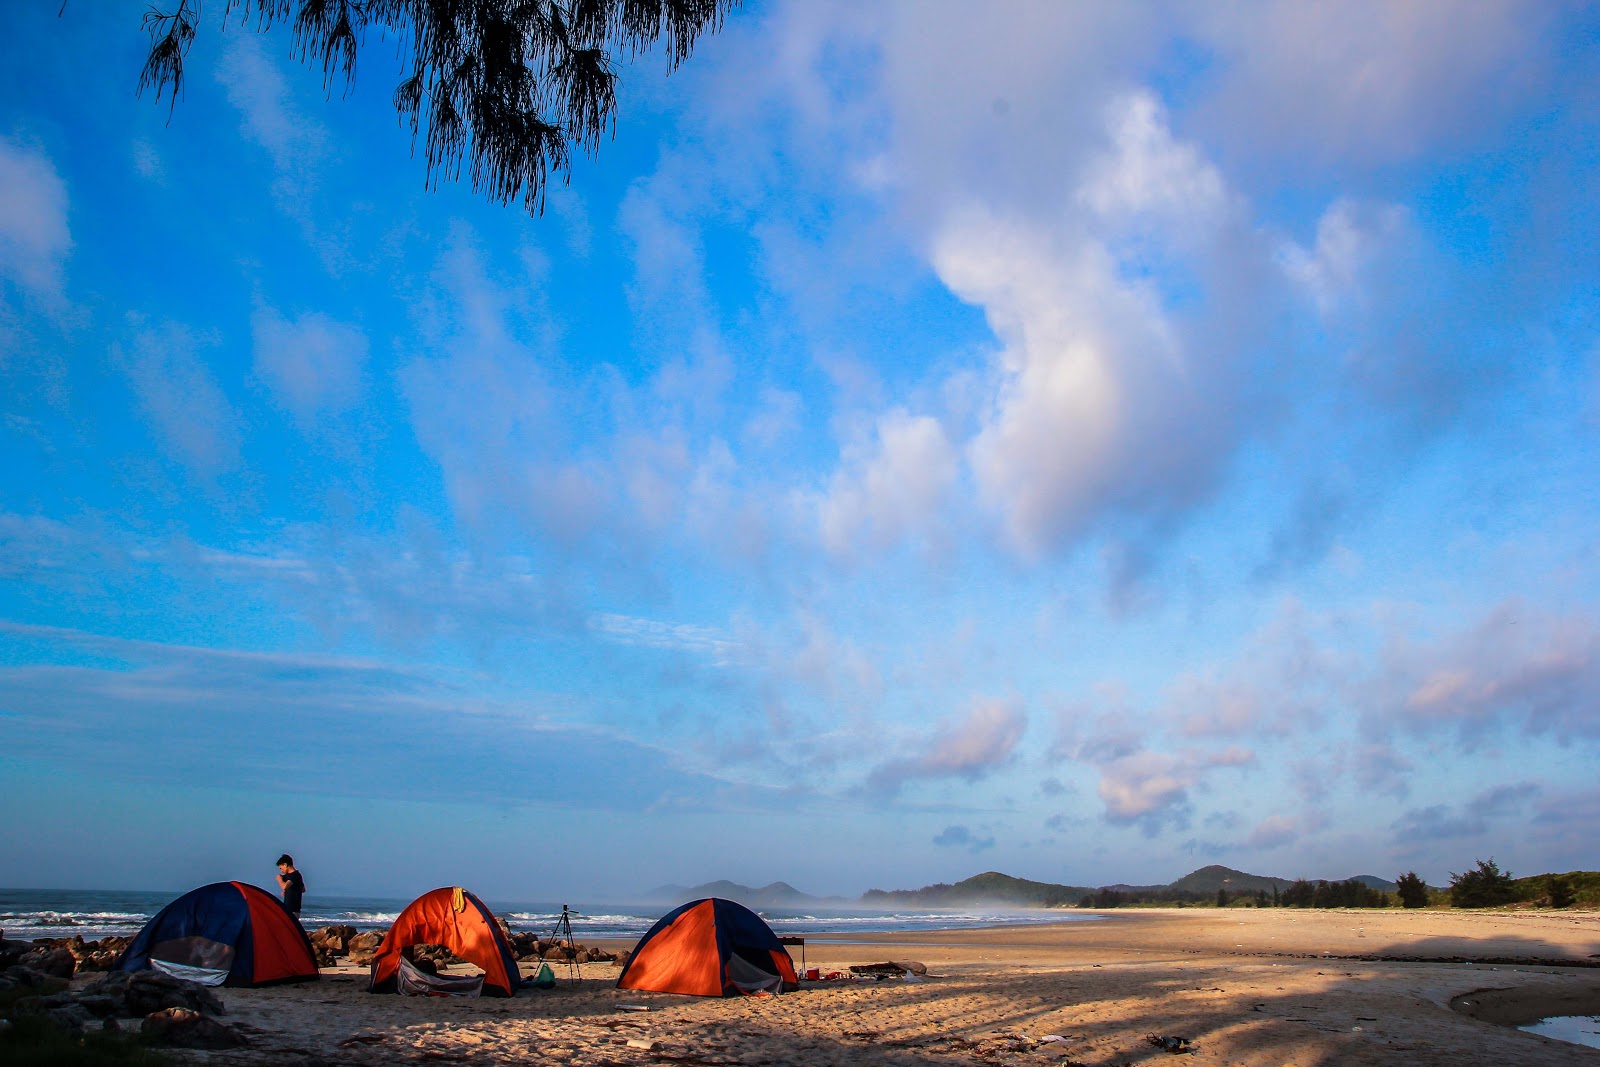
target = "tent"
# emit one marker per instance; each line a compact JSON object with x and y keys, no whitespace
{"x":459,"y":921}
{"x":226,"y":933}
{"x":710,"y":948}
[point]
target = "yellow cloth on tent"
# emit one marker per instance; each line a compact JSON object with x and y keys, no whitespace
{"x":458,"y":899}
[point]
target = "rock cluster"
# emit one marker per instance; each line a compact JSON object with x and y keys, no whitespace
{"x":174,"y":1012}
{"x":331,"y":942}
{"x":62,"y":957}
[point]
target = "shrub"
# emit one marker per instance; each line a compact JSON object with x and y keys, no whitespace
{"x":1486,"y":887}
{"x":1413,"y":891}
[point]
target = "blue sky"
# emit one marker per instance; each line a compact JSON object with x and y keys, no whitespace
{"x":1088,"y":442}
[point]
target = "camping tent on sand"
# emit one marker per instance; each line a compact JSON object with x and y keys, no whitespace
{"x":710,"y":948}
{"x":458,"y":920}
{"x":226,"y":933}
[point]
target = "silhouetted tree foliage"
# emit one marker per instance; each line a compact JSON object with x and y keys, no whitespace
{"x":508,"y":86}
{"x":1325,"y":894}
{"x":1412,"y":890}
{"x":1486,"y":887}
{"x":1561,"y":894}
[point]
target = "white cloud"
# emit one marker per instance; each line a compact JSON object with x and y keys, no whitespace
{"x":1149,"y":177}
{"x":1148,"y":787}
{"x":1351,"y":236}
{"x":34,"y":237}
{"x":313,"y":364}
{"x":891,"y":488}
{"x":186,"y":409}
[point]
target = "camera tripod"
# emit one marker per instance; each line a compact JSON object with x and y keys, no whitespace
{"x":562,"y":931}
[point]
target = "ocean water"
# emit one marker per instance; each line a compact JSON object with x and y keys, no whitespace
{"x":26,"y":914}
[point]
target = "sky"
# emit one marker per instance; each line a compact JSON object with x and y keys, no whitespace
{"x":1083,"y":441}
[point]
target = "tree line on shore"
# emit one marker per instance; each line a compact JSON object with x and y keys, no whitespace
{"x":1482,"y":886}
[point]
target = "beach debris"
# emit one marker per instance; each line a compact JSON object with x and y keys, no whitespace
{"x":648,"y":1044}
{"x":633,"y":1007}
{"x":893,"y":968}
{"x":1178,"y":1046}
{"x":186,"y":1028}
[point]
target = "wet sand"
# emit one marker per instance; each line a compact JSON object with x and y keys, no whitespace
{"x":1272,"y":988}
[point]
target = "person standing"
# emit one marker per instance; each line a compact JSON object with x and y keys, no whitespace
{"x":290,"y":884}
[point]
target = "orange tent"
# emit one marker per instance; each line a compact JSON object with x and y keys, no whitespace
{"x":459,"y":921}
{"x":710,"y":948}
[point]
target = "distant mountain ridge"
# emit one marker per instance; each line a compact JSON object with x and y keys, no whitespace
{"x":990,"y":887}
{"x":994,"y":888}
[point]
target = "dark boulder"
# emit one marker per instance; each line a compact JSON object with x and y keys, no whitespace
{"x":12,"y":951}
{"x":143,"y":992}
{"x":62,"y":1009}
{"x":186,"y":1028}
{"x":57,"y":962}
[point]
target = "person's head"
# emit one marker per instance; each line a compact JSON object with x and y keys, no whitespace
{"x":285,"y":863}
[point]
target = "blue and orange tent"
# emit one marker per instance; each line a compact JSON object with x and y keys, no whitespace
{"x":459,"y":921}
{"x":710,"y":948}
{"x":226,"y":933}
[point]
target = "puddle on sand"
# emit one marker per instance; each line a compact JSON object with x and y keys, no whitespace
{"x":1578,"y":1029}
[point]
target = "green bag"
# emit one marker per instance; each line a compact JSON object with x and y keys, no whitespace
{"x":545,"y":979}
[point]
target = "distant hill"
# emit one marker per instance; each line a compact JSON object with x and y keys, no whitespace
{"x":1372,"y":881}
{"x":776,"y":895}
{"x":991,"y":887}
{"x":1207,"y":880}
{"x":1585,"y":887}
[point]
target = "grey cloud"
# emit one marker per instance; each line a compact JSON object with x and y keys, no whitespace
{"x":1516,"y":669}
{"x":962,"y":837}
{"x":1472,"y":819}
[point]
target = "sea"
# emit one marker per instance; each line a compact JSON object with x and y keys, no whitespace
{"x":26,"y":914}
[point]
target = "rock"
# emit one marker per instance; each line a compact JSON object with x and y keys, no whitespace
{"x":335,"y":938}
{"x":99,"y":961}
{"x":61,"y":1008}
{"x":362,"y":947}
{"x":438,"y":954}
{"x":581,"y":956}
{"x":185,"y":1028}
{"x":144,"y":992}
{"x":99,"y":1005}
{"x":28,"y":978}
{"x":57,"y":962}
{"x":12,"y":951}
{"x":621,"y":958}
{"x":116,"y":944}
{"x":524,"y":946}
{"x":505,"y":927}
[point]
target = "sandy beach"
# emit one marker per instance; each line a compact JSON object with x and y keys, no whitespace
{"x":1272,"y":987}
